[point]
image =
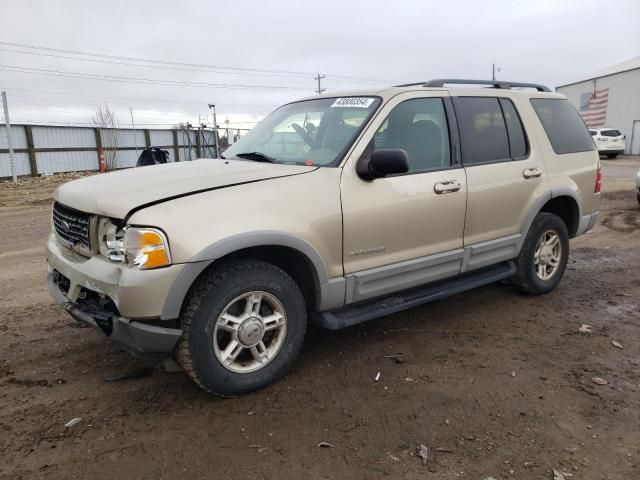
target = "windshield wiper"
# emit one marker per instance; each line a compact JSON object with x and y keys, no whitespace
{"x":257,"y":157}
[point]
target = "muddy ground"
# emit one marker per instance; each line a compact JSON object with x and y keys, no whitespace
{"x":493,"y":382}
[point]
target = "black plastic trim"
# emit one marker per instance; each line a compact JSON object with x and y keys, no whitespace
{"x":365,"y":311}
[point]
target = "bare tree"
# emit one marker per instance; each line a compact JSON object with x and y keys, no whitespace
{"x":107,"y":121}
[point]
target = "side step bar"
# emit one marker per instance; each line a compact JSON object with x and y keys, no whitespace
{"x":379,"y":307}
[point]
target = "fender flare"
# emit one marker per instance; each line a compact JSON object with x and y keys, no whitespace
{"x":204,"y":258}
{"x":541,"y":201}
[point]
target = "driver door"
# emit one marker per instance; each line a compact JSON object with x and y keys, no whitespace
{"x":405,"y":230}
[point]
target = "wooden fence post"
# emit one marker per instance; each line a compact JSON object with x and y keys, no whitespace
{"x":176,"y":146}
{"x":33,"y":164}
{"x":198,"y":144}
{"x":98,"y":144}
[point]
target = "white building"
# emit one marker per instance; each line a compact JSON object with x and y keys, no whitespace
{"x":610,"y":97}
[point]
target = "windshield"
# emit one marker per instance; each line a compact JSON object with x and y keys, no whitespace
{"x":311,"y":132}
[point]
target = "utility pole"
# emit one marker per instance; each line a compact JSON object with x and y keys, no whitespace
{"x":319,"y":77}
{"x":215,"y":129}
{"x":494,"y":69}
{"x":9,"y":139}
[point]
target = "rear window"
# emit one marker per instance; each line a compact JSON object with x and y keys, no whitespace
{"x":610,"y":133}
{"x":564,"y":126}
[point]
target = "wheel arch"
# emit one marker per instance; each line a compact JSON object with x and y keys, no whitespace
{"x":562,"y":202}
{"x":294,"y":255}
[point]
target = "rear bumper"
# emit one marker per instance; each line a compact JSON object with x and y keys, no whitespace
{"x":587,"y":222}
{"x":138,"y":338}
{"x":609,"y":150}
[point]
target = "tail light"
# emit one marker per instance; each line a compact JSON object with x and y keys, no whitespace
{"x":598,"y":178}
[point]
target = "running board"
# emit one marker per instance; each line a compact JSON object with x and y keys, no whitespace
{"x":370,"y":309}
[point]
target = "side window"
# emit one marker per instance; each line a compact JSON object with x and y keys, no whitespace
{"x":517,"y":138}
{"x":563,"y":125}
{"x":418,"y":126}
{"x":483,"y":133}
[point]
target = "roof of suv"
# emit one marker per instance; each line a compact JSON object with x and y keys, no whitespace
{"x":439,"y":85}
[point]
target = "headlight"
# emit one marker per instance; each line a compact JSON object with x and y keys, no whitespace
{"x":111,"y":240}
{"x":145,"y":248}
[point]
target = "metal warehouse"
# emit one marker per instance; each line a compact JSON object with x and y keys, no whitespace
{"x":611,"y":98}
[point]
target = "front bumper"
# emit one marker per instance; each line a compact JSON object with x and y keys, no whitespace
{"x":116,"y":299}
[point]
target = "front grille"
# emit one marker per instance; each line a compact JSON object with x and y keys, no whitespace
{"x":71,"y":225}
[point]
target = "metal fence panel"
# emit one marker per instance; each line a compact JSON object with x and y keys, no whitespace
{"x":18,"y":135}
{"x":127,"y":158}
{"x":21,"y":162}
{"x":161,"y":138}
{"x":129,"y":138}
{"x":63,"y":137}
{"x":52,"y":162}
{"x":188,"y":154}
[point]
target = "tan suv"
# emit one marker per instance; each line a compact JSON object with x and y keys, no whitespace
{"x":337,"y":209}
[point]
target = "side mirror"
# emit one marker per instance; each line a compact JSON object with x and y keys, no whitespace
{"x":383,"y":162}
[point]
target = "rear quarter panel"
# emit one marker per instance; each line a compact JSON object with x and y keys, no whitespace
{"x":572,"y":171}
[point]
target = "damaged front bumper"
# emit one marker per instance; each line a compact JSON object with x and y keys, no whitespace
{"x":139,"y":338}
{"x":99,"y":294}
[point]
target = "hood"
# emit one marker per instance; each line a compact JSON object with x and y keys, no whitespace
{"x":116,"y":194}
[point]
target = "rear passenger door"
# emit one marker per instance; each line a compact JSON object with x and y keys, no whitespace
{"x":503,"y":176}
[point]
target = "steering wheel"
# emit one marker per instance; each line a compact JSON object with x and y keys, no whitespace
{"x":303,"y":134}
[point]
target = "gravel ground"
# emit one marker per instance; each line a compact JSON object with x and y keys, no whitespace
{"x":492,"y":382}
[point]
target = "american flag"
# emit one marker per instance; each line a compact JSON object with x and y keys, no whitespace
{"x":593,"y":107}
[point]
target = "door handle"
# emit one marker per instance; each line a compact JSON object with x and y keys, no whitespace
{"x":448,"y":186}
{"x":532,"y":172}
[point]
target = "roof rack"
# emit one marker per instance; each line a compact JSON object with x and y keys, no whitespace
{"x":441,"y":82}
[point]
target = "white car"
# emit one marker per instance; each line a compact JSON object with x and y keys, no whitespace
{"x":610,"y":142}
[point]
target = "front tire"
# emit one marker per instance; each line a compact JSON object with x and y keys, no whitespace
{"x":544,"y":255}
{"x":243,"y":327}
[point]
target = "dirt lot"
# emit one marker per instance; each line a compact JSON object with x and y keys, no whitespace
{"x":493,"y":382}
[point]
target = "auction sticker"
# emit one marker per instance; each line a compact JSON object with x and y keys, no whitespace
{"x":353,"y":102}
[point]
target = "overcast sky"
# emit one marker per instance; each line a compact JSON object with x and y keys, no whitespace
{"x":267,"y":53}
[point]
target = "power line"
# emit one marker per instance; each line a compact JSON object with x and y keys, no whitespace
{"x":192,"y":65}
{"x":155,"y":100}
{"x":164,"y":67}
{"x":144,"y":81}
{"x":148,"y":60}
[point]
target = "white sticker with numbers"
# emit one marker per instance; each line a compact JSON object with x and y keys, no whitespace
{"x":353,"y":102}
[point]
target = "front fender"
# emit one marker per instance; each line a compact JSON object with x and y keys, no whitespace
{"x":226,"y":246}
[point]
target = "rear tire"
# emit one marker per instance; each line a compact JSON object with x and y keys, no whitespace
{"x":544,"y":255}
{"x":243,"y":327}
